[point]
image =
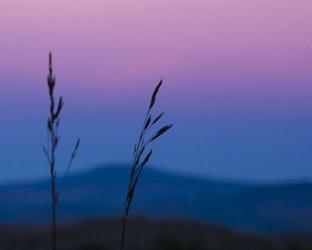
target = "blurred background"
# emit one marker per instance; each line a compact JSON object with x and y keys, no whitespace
{"x":237,"y":85}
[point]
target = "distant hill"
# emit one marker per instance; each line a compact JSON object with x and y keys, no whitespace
{"x":280,"y":208}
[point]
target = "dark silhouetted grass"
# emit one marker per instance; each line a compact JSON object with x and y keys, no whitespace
{"x":140,"y":157}
{"x":50,"y":150}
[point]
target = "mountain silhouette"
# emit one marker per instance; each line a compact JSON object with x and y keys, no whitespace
{"x":257,"y":208}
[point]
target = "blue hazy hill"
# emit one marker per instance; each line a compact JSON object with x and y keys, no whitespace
{"x":267,"y":208}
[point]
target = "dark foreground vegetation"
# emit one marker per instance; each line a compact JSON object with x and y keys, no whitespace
{"x":104,"y":234}
{"x":141,"y":156}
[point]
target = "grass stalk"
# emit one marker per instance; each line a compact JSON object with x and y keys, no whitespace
{"x":141,"y":158}
{"x":55,"y":109}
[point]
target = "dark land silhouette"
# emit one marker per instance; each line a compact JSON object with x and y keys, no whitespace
{"x":104,"y":234}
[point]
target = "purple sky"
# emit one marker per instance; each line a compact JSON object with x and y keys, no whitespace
{"x":238,"y":83}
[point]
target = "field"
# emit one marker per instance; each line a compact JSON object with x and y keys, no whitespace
{"x":104,"y":234}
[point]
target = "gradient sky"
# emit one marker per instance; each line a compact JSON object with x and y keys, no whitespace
{"x":237,"y":83}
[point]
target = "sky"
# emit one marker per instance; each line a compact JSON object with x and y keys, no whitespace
{"x":237,"y":84}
